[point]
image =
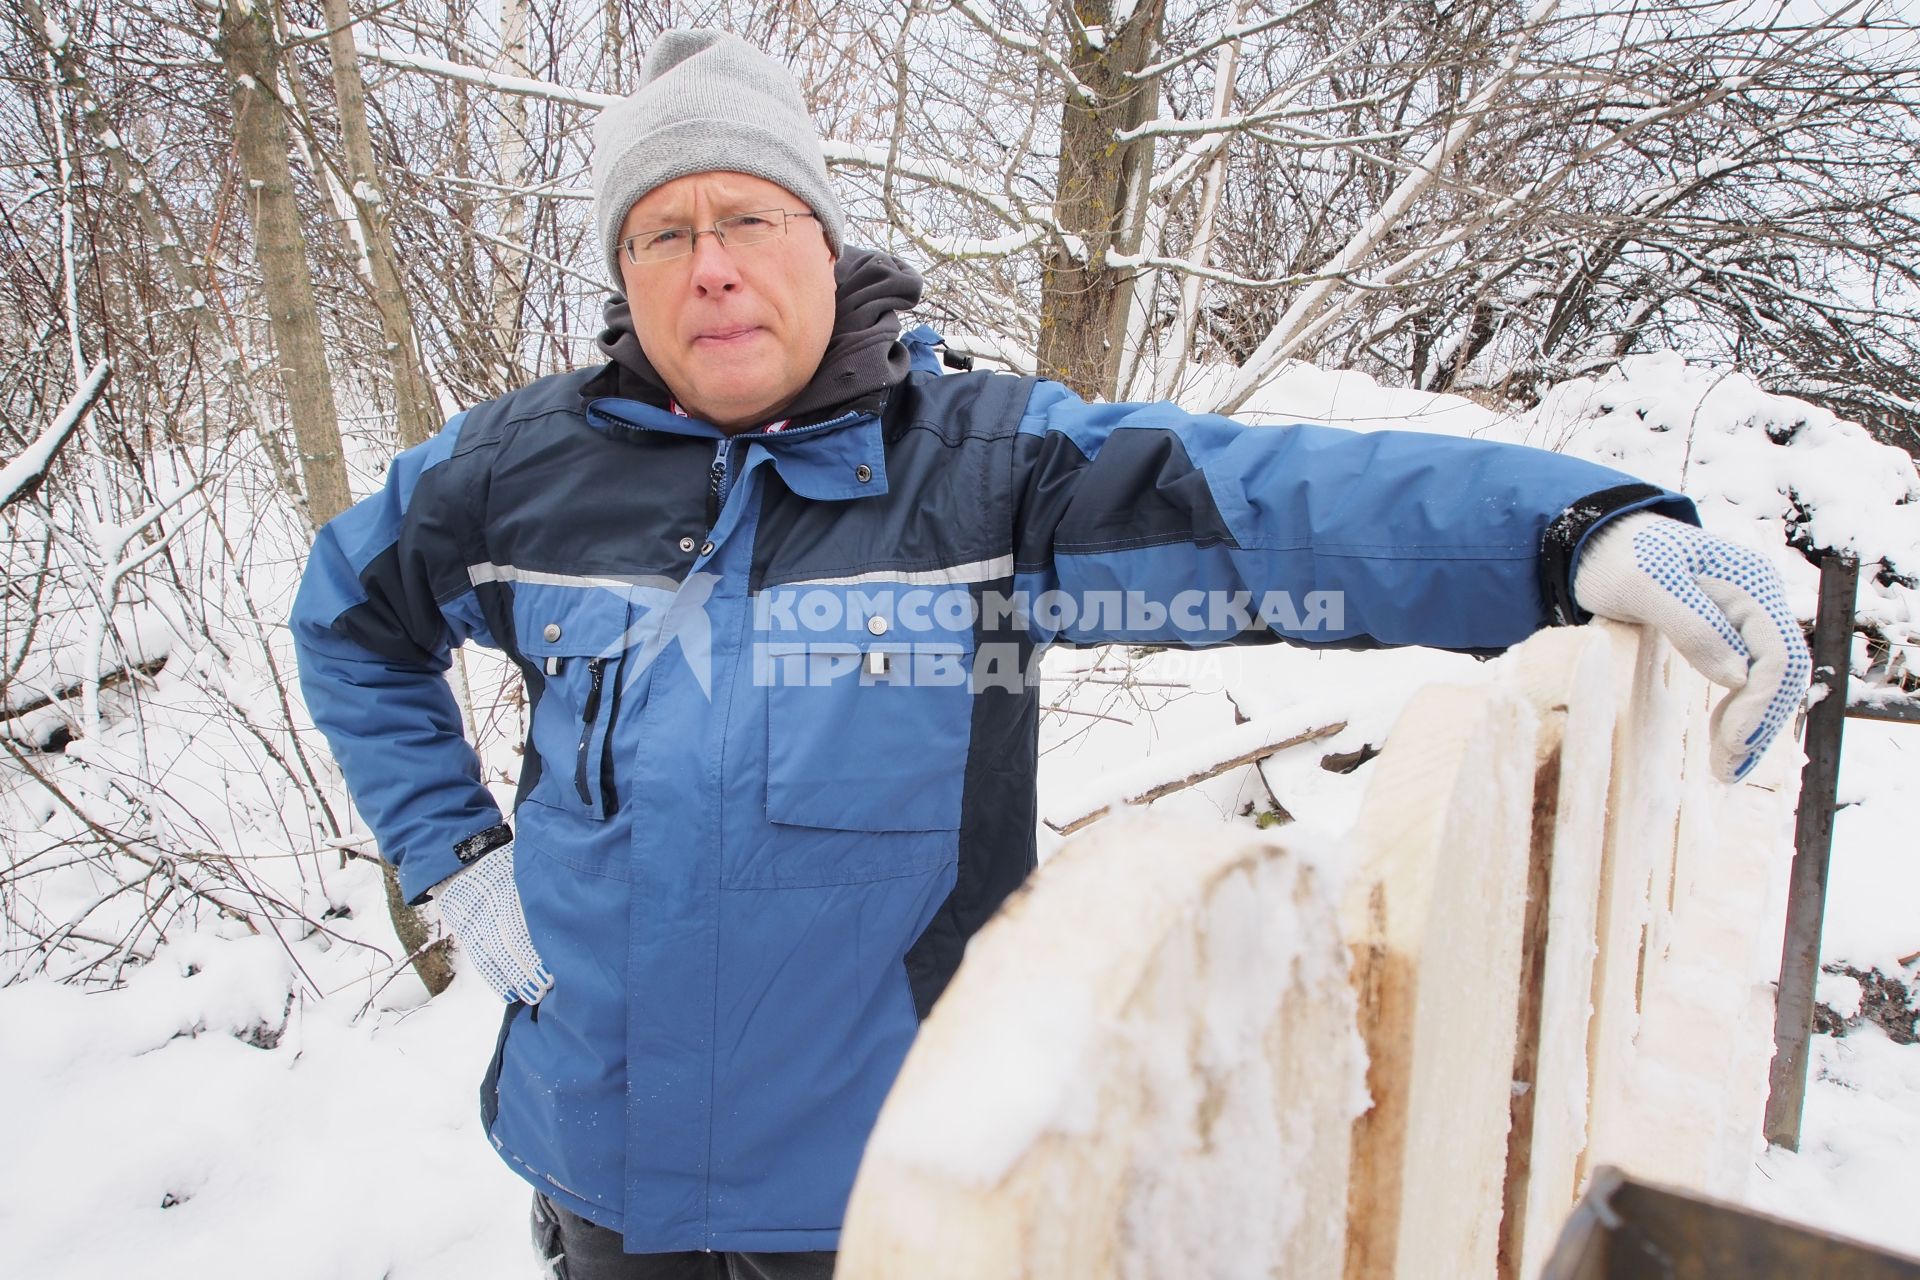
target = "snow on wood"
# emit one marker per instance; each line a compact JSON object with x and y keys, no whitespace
{"x":1146,"y":1067}
{"x":524,"y":86}
{"x":1706,"y":1023}
{"x":1248,"y":743}
{"x":1434,"y":916}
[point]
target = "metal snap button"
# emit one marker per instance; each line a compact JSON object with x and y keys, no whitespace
{"x":706,"y":548}
{"x":877,"y":625}
{"x":686,"y":544}
{"x":863,"y":473}
{"x":552,"y":632}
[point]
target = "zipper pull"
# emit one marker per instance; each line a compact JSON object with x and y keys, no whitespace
{"x":716,"y":483}
{"x":597,"y":671}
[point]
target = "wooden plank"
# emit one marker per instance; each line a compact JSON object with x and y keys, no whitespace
{"x":1434,"y":915}
{"x":1635,"y":876}
{"x":1706,"y":1020}
{"x":1813,"y":843}
{"x":1145,"y":1067}
{"x":1566,"y":676}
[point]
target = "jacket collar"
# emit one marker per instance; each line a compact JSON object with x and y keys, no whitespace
{"x":821,"y":460}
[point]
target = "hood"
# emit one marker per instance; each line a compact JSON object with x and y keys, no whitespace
{"x":864,"y":356}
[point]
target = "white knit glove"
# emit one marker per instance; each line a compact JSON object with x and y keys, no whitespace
{"x":1721,"y":605}
{"x":482,"y":906}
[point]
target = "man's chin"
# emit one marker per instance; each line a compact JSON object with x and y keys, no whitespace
{"x":737,"y":410}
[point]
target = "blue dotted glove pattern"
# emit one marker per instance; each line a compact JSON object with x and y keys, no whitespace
{"x":1680,"y":558}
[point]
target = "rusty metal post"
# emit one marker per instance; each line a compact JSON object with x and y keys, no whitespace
{"x":1812,"y":844}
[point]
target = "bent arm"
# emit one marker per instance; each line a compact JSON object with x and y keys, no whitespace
{"x":382,"y":602}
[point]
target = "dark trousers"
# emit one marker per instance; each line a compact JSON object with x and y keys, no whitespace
{"x":571,"y":1248}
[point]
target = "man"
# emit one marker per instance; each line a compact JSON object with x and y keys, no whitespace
{"x":775,"y":597}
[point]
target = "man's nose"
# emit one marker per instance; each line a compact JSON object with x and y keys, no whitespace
{"x":713,"y":267}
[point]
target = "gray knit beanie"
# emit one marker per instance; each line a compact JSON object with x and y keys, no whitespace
{"x":707,"y":101}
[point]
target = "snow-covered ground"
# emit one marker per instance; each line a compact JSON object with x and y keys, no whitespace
{"x":279,"y":1102}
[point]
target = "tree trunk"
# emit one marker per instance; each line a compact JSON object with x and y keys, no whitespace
{"x":413,"y":398}
{"x":509,"y":274}
{"x":246,"y":49}
{"x":1101,"y":194}
{"x":1186,"y":320}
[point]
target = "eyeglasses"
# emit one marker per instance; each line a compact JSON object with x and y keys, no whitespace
{"x":668,"y":243}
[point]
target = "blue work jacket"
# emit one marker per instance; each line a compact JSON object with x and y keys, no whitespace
{"x":783,"y":730}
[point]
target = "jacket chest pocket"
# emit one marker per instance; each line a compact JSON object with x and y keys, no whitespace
{"x":576,"y":640}
{"x":866,"y":761}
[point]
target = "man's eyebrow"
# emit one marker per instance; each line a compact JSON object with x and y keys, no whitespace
{"x":650,"y":221}
{"x":721,"y":208}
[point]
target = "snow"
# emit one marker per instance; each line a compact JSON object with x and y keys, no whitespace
{"x":1840,"y":992}
{"x":1854,"y":1171}
{"x":1873,"y":908}
{"x":352,"y":1145}
{"x":163,"y":1144}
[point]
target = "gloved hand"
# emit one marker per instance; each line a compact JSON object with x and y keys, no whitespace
{"x":482,"y":906}
{"x":1721,"y":605}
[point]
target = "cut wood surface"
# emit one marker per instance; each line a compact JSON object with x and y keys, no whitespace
{"x":1635,"y":875}
{"x":1146,"y":1067}
{"x":1706,"y":1018}
{"x":1433,"y":915}
{"x":1566,"y":675}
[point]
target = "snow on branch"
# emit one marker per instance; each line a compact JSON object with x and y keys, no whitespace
{"x":1158,"y":778}
{"x":524,"y":86}
{"x":1283,"y":339}
{"x":25,"y":471}
{"x":1027,"y":45}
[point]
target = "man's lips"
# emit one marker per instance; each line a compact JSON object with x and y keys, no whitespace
{"x":730,"y":334}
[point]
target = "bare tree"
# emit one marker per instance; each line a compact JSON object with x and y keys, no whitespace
{"x":414,"y":404}
{"x":246,"y":48}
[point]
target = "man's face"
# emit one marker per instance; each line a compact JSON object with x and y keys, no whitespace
{"x":735,"y":331}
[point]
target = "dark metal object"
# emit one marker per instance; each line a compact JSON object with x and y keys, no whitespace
{"x":1812,"y":844}
{"x":1628,"y":1230}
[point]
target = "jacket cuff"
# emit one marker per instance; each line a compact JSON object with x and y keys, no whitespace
{"x":421,"y":876}
{"x":1568,"y":532}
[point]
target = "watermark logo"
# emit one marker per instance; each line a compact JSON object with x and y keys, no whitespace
{"x":810,"y":634}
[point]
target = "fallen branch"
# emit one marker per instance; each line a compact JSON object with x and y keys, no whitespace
{"x":151,"y":667}
{"x":1194,"y":778}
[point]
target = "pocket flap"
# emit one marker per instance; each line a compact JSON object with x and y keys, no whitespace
{"x":572,"y":622}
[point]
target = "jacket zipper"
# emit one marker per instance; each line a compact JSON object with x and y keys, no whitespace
{"x":597,"y":671}
{"x":717,"y":483}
